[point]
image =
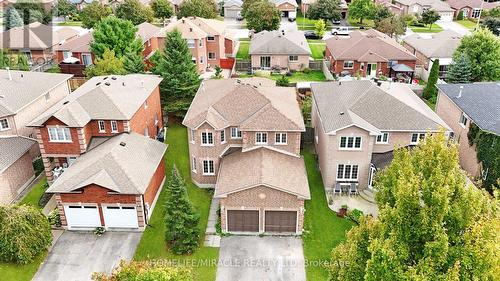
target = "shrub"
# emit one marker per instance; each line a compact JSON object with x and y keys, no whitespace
{"x":145,"y":271}
{"x":355,"y":215}
{"x":54,"y":218}
{"x":24,"y":233}
{"x":306,"y":70}
{"x":99,"y":230}
{"x":283,"y":81}
{"x":38,"y":166}
{"x":460,"y":16}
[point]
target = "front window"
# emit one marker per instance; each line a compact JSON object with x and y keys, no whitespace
{"x":281,"y":138}
{"x":416,"y":137}
{"x":293,"y":58}
{"x":348,"y":64}
{"x":102,"y":126}
{"x":208,"y":167}
{"x":207,"y":138}
{"x":114,"y":126}
{"x":350,"y":143}
{"x":260,"y":138}
{"x":347,"y":172}
{"x":190,"y":43}
{"x":87,"y":59}
{"x":383,"y":138}
{"x":476,"y":13}
{"x":235,"y":133}
{"x":59,"y":134}
{"x":210,"y":38}
{"x":223,"y":136}
{"x":265,"y":62}
{"x":211,"y":56}
{"x":4,"y":124}
{"x":463,"y":120}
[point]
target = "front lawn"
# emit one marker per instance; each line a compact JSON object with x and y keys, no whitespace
{"x":317,"y":50}
{"x":35,"y":194}
{"x":467,"y":23}
{"x":70,"y":23}
{"x":243,"y":50}
{"x":152,"y":245}
{"x":304,"y":23}
{"x":355,"y":22}
{"x":323,"y":229}
{"x":16,"y":272}
{"x":425,"y":29}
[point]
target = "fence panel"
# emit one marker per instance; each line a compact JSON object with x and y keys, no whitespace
{"x":315,"y":64}
{"x":243,"y":65}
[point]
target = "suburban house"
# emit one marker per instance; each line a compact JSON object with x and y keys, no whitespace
{"x":209,"y":41}
{"x":358,"y":124}
{"x":114,"y":185}
{"x":233,"y":8}
{"x":36,"y":41}
{"x":102,"y":107}
{"x":460,"y":106}
{"x":287,"y":8}
{"x":391,"y":6}
{"x":416,"y":7}
{"x":243,"y":133}
{"x":279,"y":49}
{"x":471,"y":8}
{"x":370,"y":54}
{"x":77,"y":54}
{"x":427,"y":49}
{"x":344,"y":9}
{"x":80,"y":4}
{"x":23,"y":96}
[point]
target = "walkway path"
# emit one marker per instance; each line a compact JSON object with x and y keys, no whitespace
{"x":211,"y":237}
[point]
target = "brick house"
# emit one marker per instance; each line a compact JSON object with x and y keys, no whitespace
{"x":279,"y":49}
{"x":370,"y":54}
{"x":114,"y":185}
{"x":471,"y":8}
{"x":235,"y":124}
{"x":358,"y":124}
{"x":287,"y":8}
{"x":209,"y":40}
{"x":102,"y":107}
{"x":416,"y":7}
{"x":24,"y":95}
{"x":427,"y":49}
{"x":460,"y":106}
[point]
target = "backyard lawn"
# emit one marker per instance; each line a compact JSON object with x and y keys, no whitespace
{"x":152,"y":245}
{"x":425,"y":29}
{"x":467,"y":24}
{"x":35,"y":194}
{"x":323,"y":229}
{"x":317,"y":49}
{"x":243,"y":50}
{"x":297,"y":76}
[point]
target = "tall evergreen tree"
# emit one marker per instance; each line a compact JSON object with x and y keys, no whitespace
{"x":13,"y":19}
{"x":117,"y":35}
{"x":430,"y":89}
{"x":180,"y":76}
{"x":181,"y":221}
{"x":460,"y":70}
{"x":133,"y":63}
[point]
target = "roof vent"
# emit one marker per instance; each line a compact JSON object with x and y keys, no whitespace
{"x":238,"y":81}
{"x":22,"y":75}
{"x":105,"y":78}
{"x":460,"y":92}
{"x":340,"y":83}
{"x":113,"y":78}
{"x":123,"y":143}
{"x":183,"y":20}
{"x":2,"y":96}
{"x":283,"y":32}
{"x":255,"y":86}
{"x":66,"y":102}
{"x":107,"y":84}
{"x":123,"y":84}
{"x":342,"y":113}
{"x":98,"y":83}
{"x":190,"y":29}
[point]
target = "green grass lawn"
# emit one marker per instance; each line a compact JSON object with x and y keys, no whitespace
{"x":297,"y":76}
{"x":15,"y":272}
{"x":434,"y":29}
{"x":308,"y":24}
{"x":70,"y":23}
{"x":35,"y":194}
{"x":243,"y":50}
{"x":467,"y":23}
{"x":355,"y":22}
{"x":323,"y":229}
{"x":152,"y":245}
{"x":317,"y":50}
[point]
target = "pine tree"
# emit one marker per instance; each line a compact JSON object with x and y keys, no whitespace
{"x":133,"y":63}
{"x":181,"y":221}
{"x":14,"y":19}
{"x":460,"y":70}
{"x":430,"y":90}
{"x":180,"y":76}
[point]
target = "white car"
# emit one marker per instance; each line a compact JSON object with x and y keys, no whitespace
{"x":341,"y":30}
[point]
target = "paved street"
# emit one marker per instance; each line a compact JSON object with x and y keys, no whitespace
{"x":250,"y":258}
{"x":76,"y":255}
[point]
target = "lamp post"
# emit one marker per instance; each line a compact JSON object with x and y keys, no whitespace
{"x":480,"y":13}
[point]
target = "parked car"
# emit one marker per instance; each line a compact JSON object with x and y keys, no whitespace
{"x":292,"y":16}
{"x":341,"y":30}
{"x":336,"y":21}
{"x":310,"y":34}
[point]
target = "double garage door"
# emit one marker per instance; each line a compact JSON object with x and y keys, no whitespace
{"x":88,"y":216}
{"x":274,"y":221}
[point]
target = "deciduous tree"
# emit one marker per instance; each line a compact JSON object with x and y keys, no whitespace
{"x":430,"y":17}
{"x":320,"y":28}
{"x":134,"y":11}
{"x":324,"y":9}
{"x":117,"y":35}
{"x":393,"y":26}
{"x":107,"y":65}
{"x":162,"y":9}
{"x":262,"y":15}
{"x":181,"y":221}
{"x":431,"y":225}
{"x":459,"y":70}
{"x":94,"y":13}
{"x":198,"y":8}
{"x":361,"y":9}
{"x":65,"y":8}
{"x":493,"y":24}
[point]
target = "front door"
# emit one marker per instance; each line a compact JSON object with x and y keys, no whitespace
{"x":371,"y":176}
{"x":265,"y":62}
{"x":371,"y":70}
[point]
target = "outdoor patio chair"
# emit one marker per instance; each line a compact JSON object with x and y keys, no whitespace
{"x":338,"y":189}
{"x":353,"y":190}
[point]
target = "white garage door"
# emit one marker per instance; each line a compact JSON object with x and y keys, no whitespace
{"x":82,"y":216}
{"x":446,"y":17}
{"x":122,"y":217}
{"x":231,"y":12}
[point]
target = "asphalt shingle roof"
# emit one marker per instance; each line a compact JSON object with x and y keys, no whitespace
{"x":12,"y":148}
{"x":289,"y":42}
{"x":480,"y":101}
{"x":439,"y":45}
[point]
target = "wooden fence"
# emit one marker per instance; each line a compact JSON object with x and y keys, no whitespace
{"x":76,"y":82}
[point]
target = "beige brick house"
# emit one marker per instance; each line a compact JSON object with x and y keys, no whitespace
{"x":357,"y":125}
{"x":243,"y":133}
{"x":460,"y":105}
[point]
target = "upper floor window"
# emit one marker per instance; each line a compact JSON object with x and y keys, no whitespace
{"x":210,"y":38}
{"x":293,"y":58}
{"x":223,"y":136}
{"x":383,"y":138}
{"x":350,"y":142}
{"x":193,"y":136}
{"x":261,"y":138}
{"x":235,"y":133}
{"x":348,"y":64}
{"x":207,"y":138}
{"x":193,"y":164}
{"x":281,"y":138}
{"x":59,"y":134}
{"x":416,"y":137}
{"x":114,"y":126}
{"x":463,"y":120}
{"x":211,"y":56}
{"x":102,"y":126}
{"x":190,"y":43}
{"x":476,"y":12}
{"x":208,"y":167}
{"x":200,"y":43}
{"x":347,"y":172}
{"x":4,"y":124}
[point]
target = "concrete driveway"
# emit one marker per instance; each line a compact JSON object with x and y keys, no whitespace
{"x":250,"y":258}
{"x":76,"y":255}
{"x":458,"y":28}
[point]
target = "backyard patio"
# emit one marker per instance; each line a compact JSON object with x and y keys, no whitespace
{"x":362,"y":200}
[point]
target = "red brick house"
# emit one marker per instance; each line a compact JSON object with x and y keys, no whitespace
{"x":101,"y":108}
{"x":370,"y":54}
{"x":114,"y":185}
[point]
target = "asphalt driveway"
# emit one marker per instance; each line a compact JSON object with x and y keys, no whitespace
{"x":261,"y":258}
{"x":76,"y":255}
